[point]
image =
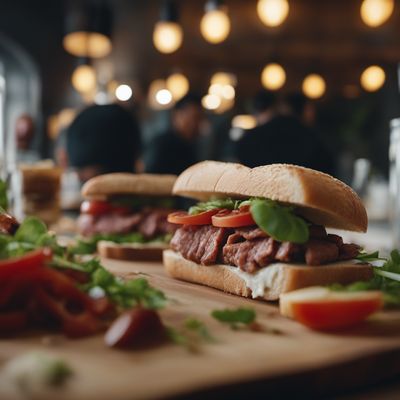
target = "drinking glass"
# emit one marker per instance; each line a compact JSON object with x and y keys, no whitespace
{"x":394,"y":181}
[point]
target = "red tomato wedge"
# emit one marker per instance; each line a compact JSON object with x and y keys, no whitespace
{"x":233,"y":218}
{"x":99,"y":207}
{"x":183,"y":218}
{"x":22,"y":265}
{"x":323,"y":309}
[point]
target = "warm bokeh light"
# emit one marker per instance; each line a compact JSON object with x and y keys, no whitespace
{"x":87,"y":44}
{"x":167,"y":36}
{"x":373,"y":78}
{"x":272,"y":12}
{"x":215,"y":26}
{"x":123,"y":92}
{"x":211,"y":101}
{"x":314,"y":86}
{"x":84,"y":78}
{"x":244,"y":121}
{"x":376,"y":12}
{"x":223,"y":78}
{"x":228,"y":92}
{"x":178,"y":85}
{"x":163,"y":97}
{"x":273,"y":76}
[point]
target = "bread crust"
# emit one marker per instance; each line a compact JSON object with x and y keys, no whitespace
{"x":126,"y":252}
{"x":289,"y":276}
{"x":319,"y":197}
{"x":119,"y":183}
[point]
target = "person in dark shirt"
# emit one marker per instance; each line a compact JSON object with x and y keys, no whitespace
{"x":278,"y":138}
{"x":103,"y":139}
{"x":175,"y":150}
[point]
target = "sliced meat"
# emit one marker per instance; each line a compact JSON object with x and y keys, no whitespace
{"x":154,"y":223}
{"x":250,"y":255}
{"x":317,"y":232}
{"x":348,"y":251}
{"x":250,"y":233}
{"x":201,"y":244}
{"x":321,"y":252}
{"x":335,"y":239}
{"x":289,"y":252}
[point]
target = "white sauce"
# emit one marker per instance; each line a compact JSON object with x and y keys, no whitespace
{"x":262,"y":280}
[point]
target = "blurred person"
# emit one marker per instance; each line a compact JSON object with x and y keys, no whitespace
{"x":175,"y":150}
{"x":24,"y":137}
{"x":278,"y":137}
{"x":103,"y":139}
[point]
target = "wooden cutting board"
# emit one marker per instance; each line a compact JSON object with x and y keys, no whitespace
{"x":240,"y":362}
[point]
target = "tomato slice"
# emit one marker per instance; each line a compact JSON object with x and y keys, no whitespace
{"x":100,"y":207}
{"x":233,"y":218}
{"x":183,"y":218}
{"x":322,"y":309}
{"x":21,"y":265}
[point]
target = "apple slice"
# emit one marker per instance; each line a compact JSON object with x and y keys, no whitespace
{"x":321,"y":308}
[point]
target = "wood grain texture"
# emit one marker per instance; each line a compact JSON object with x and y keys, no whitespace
{"x":297,"y":361}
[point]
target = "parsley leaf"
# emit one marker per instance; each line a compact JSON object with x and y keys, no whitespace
{"x":279,"y":221}
{"x":241,"y":315}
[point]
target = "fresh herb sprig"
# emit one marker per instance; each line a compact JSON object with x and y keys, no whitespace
{"x":227,"y":203}
{"x":235,"y":317}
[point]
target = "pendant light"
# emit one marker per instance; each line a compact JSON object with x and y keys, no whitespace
{"x":88,"y":28}
{"x":272,"y":12}
{"x":167,"y":34}
{"x":215,"y":24}
{"x":84,"y":77}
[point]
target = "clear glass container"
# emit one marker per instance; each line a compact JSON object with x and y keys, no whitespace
{"x":394,"y":181}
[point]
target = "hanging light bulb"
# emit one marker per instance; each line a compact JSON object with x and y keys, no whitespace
{"x":167,"y":34}
{"x":123,"y":92}
{"x":215,"y":24}
{"x":163,"y":97}
{"x":84,"y":78}
{"x":376,"y":12}
{"x":373,"y":78}
{"x":272,"y":12}
{"x":314,"y":86}
{"x":88,"y":29}
{"x":223,"y":78}
{"x":211,"y":101}
{"x":178,"y":85}
{"x":244,"y":121}
{"x":273,"y":76}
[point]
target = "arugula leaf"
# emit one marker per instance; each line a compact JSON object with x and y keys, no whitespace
{"x":31,"y":230}
{"x":200,"y":328}
{"x":226,"y":203}
{"x":3,"y":196}
{"x":236,"y":316}
{"x":279,"y":221}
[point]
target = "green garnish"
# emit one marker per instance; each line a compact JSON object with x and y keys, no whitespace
{"x":200,"y":328}
{"x":235,"y":317}
{"x":279,"y":221}
{"x":226,"y":203}
{"x":89,"y":245}
{"x":3,"y":195}
{"x":386,"y":278}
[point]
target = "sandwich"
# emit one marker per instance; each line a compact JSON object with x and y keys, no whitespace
{"x":124,"y":216}
{"x":261,"y":232}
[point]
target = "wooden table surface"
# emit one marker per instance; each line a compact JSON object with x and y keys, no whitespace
{"x":299,"y":359}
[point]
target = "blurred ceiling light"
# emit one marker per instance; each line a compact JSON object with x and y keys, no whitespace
{"x":168,"y":34}
{"x":88,"y":29}
{"x":225,"y":105}
{"x":373,"y":78}
{"x":178,"y":85}
{"x":163,"y":97}
{"x":376,"y":12}
{"x":65,"y":117}
{"x":84,"y":78}
{"x":272,"y":12}
{"x":216,"y":88}
{"x":123,"y":92}
{"x":215,"y":24}
{"x":273,"y":76}
{"x":314,"y":86}
{"x":211,"y":101}
{"x":244,"y":121}
{"x":228,"y":92}
{"x":223,"y":78}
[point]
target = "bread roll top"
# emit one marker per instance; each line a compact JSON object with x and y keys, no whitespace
{"x":120,"y":183}
{"x":318,"y":197}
